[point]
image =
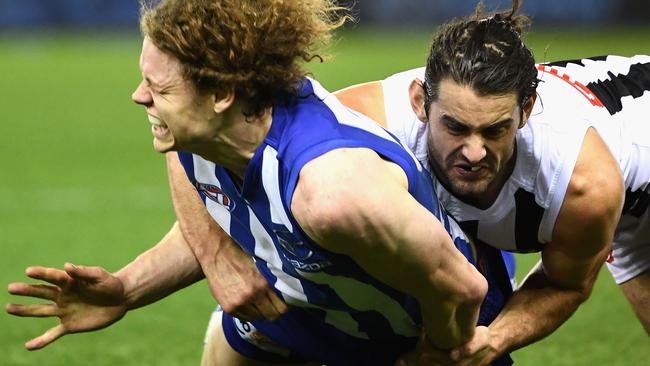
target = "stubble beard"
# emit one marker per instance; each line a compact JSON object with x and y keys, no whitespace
{"x":471,"y":192}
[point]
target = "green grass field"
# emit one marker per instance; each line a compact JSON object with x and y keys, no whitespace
{"x":80,"y":182}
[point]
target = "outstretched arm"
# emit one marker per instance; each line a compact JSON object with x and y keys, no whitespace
{"x":232,"y":276}
{"x":90,"y":298}
{"x":340,"y":202}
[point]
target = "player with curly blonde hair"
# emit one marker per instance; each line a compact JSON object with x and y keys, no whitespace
{"x":340,"y":220}
{"x":249,"y":47}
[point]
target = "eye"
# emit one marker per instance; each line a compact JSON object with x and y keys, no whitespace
{"x":495,"y":132}
{"x":455,"y":128}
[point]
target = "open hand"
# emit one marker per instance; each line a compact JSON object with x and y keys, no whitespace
{"x":83,"y":298}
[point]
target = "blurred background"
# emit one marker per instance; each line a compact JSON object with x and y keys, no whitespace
{"x":80,"y":182}
{"x":123,"y":13}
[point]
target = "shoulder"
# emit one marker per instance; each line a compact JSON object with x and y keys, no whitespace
{"x":366,"y":98}
{"x":336,"y":187}
{"x":594,"y":198}
{"x":596,"y":182}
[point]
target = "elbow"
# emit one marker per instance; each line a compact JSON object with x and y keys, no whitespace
{"x":477,"y":290}
{"x":472,"y":290}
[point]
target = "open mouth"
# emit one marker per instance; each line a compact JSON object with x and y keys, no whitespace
{"x":158,"y":128}
{"x":469,"y":171}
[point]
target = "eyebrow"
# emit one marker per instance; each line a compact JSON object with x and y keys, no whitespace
{"x":152,"y":83}
{"x":502,"y":123}
{"x":451,"y":119}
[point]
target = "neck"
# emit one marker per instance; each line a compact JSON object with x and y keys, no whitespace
{"x":235,"y":144}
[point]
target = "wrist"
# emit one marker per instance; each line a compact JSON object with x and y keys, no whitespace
{"x":498,"y":343}
{"x":129,"y":294}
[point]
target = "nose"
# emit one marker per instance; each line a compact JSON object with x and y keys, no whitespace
{"x":474,"y":149}
{"x":141,"y":95}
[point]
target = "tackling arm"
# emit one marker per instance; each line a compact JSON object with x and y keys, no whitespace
{"x":340,"y":202}
{"x":367,"y":98}
{"x":232,"y":276}
{"x":571,"y":261}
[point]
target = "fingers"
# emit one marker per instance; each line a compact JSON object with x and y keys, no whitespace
{"x":478,"y":344}
{"x":36,"y":310}
{"x":278,"y":304}
{"x":429,"y":355}
{"x":85,"y":274}
{"x":248,"y":314}
{"x":52,"y":275}
{"x":265,"y":305}
{"x":270,"y":306}
{"x":48,"y":337}
{"x":46,"y":292}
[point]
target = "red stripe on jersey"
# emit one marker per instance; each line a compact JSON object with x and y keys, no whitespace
{"x":591,"y":97}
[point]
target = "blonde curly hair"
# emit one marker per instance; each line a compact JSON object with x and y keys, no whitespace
{"x":251,"y":47}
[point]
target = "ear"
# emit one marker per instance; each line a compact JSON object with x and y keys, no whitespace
{"x":223,"y":101}
{"x":527,"y":110}
{"x":416,"y":96}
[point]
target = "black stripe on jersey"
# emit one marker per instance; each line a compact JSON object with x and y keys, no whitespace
{"x":610,"y":92}
{"x":488,"y":258}
{"x":489,"y":261}
{"x":528,"y":217}
{"x":636,"y":203}
{"x":563,"y":63}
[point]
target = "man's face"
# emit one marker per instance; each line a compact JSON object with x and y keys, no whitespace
{"x":180,"y":117}
{"x":472,"y":140}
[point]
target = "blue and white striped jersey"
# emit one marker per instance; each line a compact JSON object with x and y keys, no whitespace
{"x":330,"y":286}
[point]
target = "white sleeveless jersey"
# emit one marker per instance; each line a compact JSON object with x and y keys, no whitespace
{"x":607,"y":93}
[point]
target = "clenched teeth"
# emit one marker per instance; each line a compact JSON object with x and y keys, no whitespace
{"x":155,"y":121}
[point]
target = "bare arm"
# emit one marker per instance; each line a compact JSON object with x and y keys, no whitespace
{"x":232,"y":275}
{"x":340,"y":202}
{"x":570,"y":263}
{"x":581,"y":240}
{"x":367,"y":98}
{"x":160,"y":271}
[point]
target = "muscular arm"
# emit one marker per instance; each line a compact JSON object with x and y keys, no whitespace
{"x":340,"y":202}
{"x":232,"y":276}
{"x":160,"y":271}
{"x":571,"y":261}
{"x":555,"y":288}
{"x":367,"y":98}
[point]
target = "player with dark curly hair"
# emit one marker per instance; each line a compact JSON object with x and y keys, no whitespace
{"x":550,"y":158}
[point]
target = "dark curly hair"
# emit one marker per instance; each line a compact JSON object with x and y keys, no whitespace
{"x":485,"y":52}
{"x":251,"y":47}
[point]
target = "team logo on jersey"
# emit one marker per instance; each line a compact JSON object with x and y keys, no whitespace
{"x":298,"y":254}
{"x":215,"y":194}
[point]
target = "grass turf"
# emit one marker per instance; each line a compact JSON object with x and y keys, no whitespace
{"x":80,"y":182}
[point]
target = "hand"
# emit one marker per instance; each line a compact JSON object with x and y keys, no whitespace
{"x":84,"y":299}
{"x":424,"y":354}
{"x":476,"y":352}
{"x":239,"y":287}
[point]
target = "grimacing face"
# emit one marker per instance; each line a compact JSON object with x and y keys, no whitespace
{"x":180,"y":117}
{"x":472,"y":140}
